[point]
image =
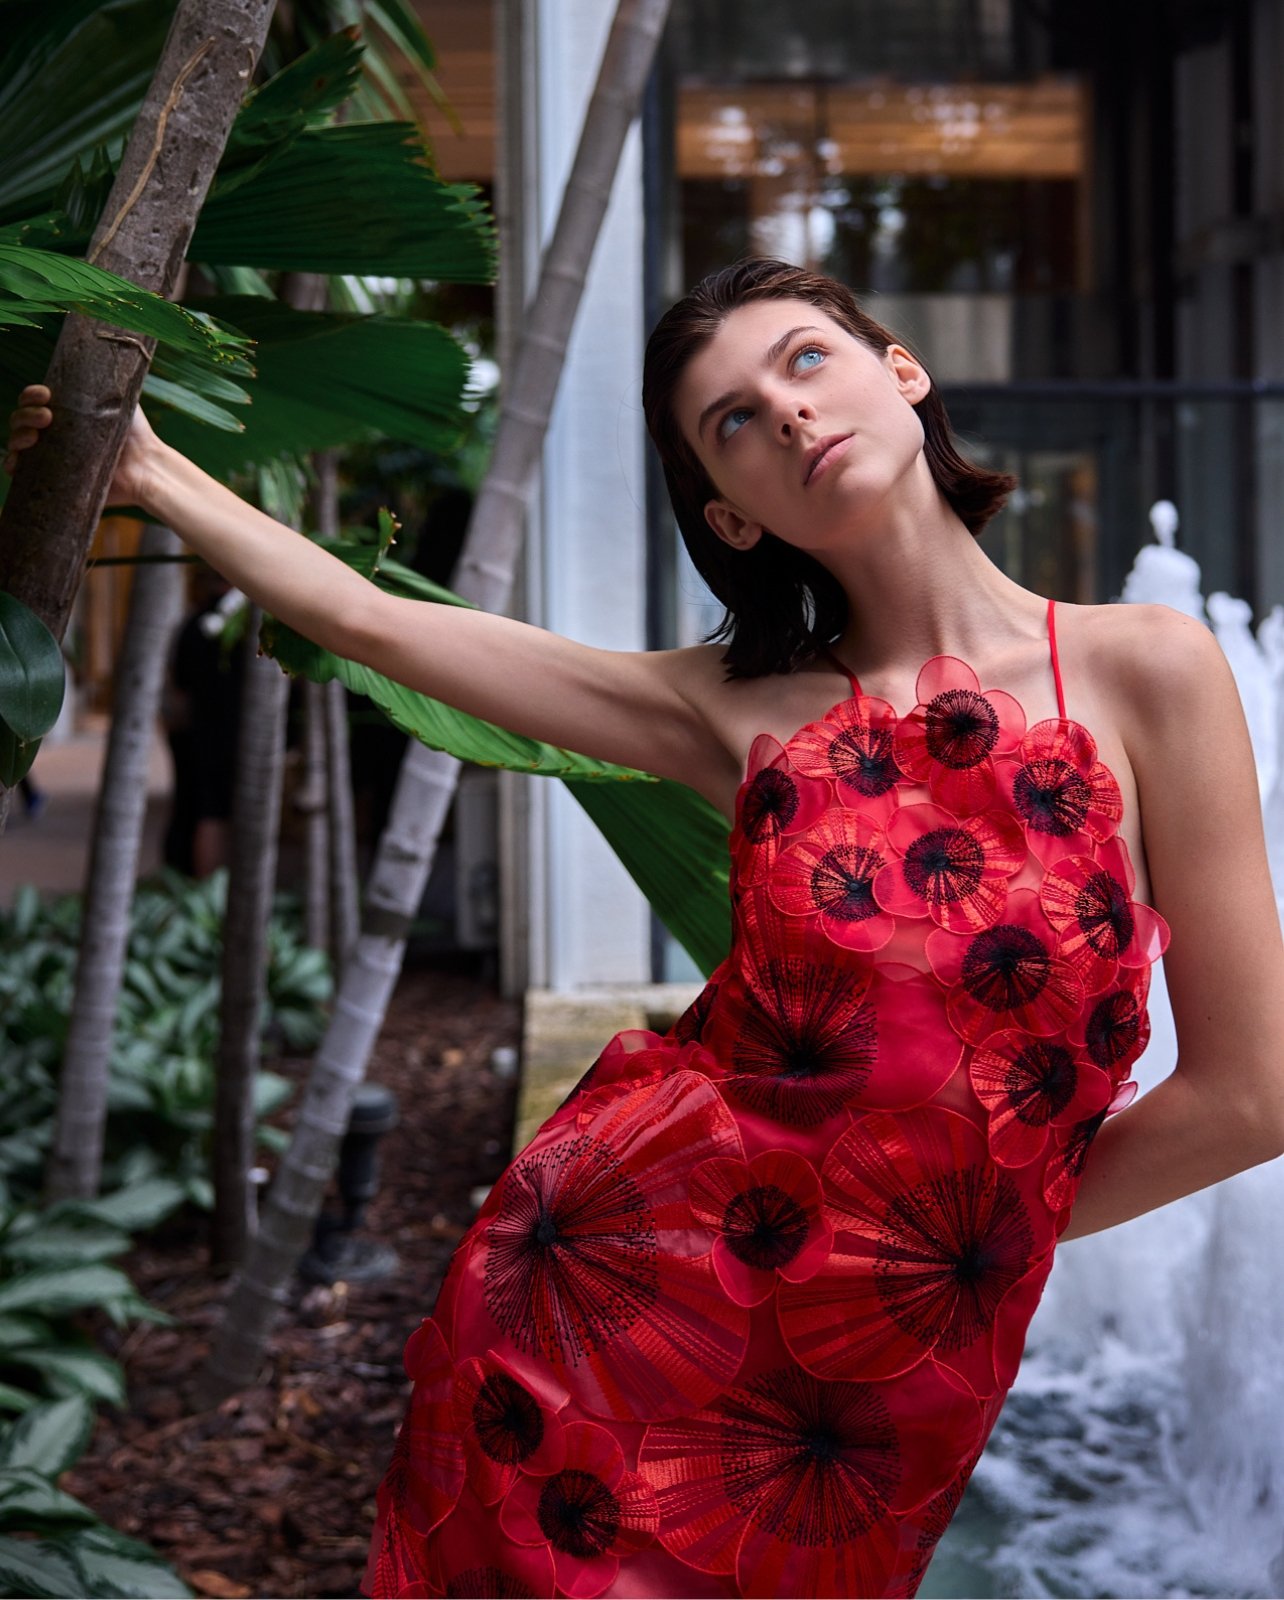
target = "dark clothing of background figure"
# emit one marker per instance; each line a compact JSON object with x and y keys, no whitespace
{"x":202,"y":727}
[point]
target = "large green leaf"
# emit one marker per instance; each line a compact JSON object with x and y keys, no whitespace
{"x":360,"y":197}
{"x":35,"y":1569}
{"x":28,"y":1500}
{"x":300,"y":96}
{"x":32,"y":674}
{"x":73,"y":1371}
{"x":73,"y":74}
{"x":329,"y":378}
{"x":55,"y":1290}
{"x":139,"y":1206}
{"x":66,"y":1244}
{"x":112,"y":1565}
{"x":34,"y":282}
{"x":48,"y":1438}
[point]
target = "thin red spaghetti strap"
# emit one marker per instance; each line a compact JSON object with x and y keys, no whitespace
{"x":850,"y":676}
{"x":1056,"y":664}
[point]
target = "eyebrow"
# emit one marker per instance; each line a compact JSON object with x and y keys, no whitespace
{"x":768,"y":360}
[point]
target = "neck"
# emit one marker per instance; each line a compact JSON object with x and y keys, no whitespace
{"x":918,"y":584}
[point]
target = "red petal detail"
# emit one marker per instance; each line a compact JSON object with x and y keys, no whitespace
{"x":470,"y":1555}
{"x":628,"y":1315}
{"x":737,"y":1491}
{"x":423,"y":1481}
{"x":913,"y":1199}
{"x":916,"y":1054}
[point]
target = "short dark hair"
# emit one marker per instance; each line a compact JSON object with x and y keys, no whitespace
{"x":782,"y":606}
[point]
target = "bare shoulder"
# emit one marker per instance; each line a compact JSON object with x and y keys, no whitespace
{"x":1152,"y":658}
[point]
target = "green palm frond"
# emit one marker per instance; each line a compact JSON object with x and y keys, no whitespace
{"x":73,"y":74}
{"x":356,"y":198}
{"x":324,"y":379}
{"x":35,"y":283}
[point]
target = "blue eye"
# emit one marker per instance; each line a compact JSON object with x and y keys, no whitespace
{"x":811,"y":350}
{"x":723,"y":431}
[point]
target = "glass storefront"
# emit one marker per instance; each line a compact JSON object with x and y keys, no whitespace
{"x":997,"y":180}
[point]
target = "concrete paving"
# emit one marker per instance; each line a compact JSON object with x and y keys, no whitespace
{"x":51,"y":851}
{"x":563,"y":1035}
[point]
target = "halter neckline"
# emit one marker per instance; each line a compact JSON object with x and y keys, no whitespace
{"x":1052,"y":650}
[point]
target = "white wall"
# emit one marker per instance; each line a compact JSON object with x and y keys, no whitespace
{"x":585,"y":576}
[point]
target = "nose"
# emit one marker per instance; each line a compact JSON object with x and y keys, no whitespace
{"x":789,"y":415}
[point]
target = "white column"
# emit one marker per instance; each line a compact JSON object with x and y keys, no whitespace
{"x":591,"y":567}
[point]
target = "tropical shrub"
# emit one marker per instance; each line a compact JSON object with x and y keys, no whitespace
{"x":162,"y":1070}
{"x":50,"y":1542}
{"x":55,"y":1265}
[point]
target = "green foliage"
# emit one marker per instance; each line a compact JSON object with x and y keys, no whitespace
{"x":72,"y":1551}
{"x":32,"y":680}
{"x":160,"y":1098}
{"x":361,"y":197}
{"x":54,"y":1268}
{"x":37,"y":281}
{"x":325,"y":379}
{"x":73,"y":74}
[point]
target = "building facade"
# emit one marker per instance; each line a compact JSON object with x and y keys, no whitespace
{"x":1073,"y":210}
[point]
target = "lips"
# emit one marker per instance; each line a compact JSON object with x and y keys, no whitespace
{"x":819,"y":451}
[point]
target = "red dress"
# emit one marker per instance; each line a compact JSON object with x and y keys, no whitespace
{"x":742,"y":1315}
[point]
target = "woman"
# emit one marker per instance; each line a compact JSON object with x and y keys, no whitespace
{"x":741,"y":1317}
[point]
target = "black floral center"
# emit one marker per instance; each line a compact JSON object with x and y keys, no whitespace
{"x":952,"y":1247}
{"x":813,"y":1464}
{"x":487,"y":1583}
{"x":771,"y":802}
{"x":1080,"y":1142}
{"x":1105,"y":914}
{"x":1113,"y":1028}
{"x":1051,"y":796}
{"x":1041,"y":1082}
{"x":842,"y":883}
{"x":571,"y":1257}
{"x":764,"y":1227}
{"x":578,"y":1514}
{"x":961,"y":727}
{"x":1006,"y":967}
{"x":944,"y":866}
{"x":507,"y":1419}
{"x":862,"y":759}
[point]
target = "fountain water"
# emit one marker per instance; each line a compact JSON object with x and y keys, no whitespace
{"x":1141,"y":1450}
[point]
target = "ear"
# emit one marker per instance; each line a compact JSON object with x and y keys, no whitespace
{"x":910,"y":376}
{"x":730,"y":526}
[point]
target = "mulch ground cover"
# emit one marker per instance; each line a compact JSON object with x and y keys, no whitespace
{"x":272,"y":1493}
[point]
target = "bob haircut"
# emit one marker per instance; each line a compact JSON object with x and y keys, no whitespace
{"x":782,"y":606}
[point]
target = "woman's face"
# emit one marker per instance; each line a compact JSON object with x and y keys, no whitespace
{"x":802,"y":429}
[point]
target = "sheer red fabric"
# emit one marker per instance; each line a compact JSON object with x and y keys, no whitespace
{"x":741,"y":1317}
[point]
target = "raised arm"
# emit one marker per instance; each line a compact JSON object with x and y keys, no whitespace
{"x":639,"y":708}
{"x":1222,"y":1108}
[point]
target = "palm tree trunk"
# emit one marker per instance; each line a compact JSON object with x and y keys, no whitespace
{"x":312,"y":799}
{"x":345,"y":911}
{"x":251,"y":880}
{"x":75,"y":1161}
{"x":97,"y":371}
{"x":345,"y":908}
{"x":427,"y":780}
